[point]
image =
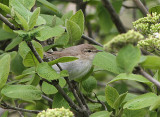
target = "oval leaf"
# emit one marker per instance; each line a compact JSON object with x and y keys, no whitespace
{"x":46,"y":71}
{"x":4,"y":68}
{"x":101,"y":114}
{"x":141,"y":101}
{"x":24,"y":92}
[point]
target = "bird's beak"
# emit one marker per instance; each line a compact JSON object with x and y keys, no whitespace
{"x":99,"y":50}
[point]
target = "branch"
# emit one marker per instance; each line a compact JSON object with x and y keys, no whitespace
{"x":114,"y":16}
{"x":150,"y":78}
{"x":34,"y":51}
{"x":5,"y":106}
{"x":91,"y":40}
{"x":141,"y":7}
{"x":5,"y":20}
{"x":47,"y":98}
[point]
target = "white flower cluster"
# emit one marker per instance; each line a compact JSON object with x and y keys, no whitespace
{"x":57,"y":112}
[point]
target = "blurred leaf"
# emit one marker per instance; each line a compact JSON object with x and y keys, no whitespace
{"x":111,"y":95}
{"x":63,"y":60}
{"x":23,"y":75}
{"x":78,"y":18}
{"x":51,"y":6}
{"x":33,"y":19}
{"x":151,"y":62}
{"x":28,"y":57}
{"x":117,"y":5}
{"x":107,"y":62}
{"x":5,"y":8}
{"x":16,"y":65}
{"x":13,"y":43}
{"x":5,"y":114}
{"x":24,"y":92}
{"x":36,"y":80}
{"x":155,"y":105}
{"x":128,"y":57}
{"x":46,"y":71}
{"x":141,"y":101}
{"x":4,"y":68}
{"x":49,"y":20}
{"x":101,"y":114}
{"x":48,"y":32}
{"x":67,"y":15}
{"x":89,"y":84}
{"x":134,"y":113}
{"x":28,"y":3}
{"x":50,"y":89}
{"x":74,"y":32}
{"x":155,"y":9}
{"x":6,"y":35}
{"x":134,"y":77}
{"x":62,"y":40}
{"x":60,"y":102}
{"x":103,"y":17}
{"x":23,"y":21}
{"x":119,"y":100}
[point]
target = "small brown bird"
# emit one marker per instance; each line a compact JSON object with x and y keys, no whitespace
{"x":78,"y":68}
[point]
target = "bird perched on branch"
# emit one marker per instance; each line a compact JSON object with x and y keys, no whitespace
{"x":78,"y":68}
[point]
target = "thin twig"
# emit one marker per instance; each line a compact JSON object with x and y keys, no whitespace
{"x":150,"y":78}
{"x":5,"y":20}
{"x":34,"y":51}
{"x":5,"y":106}
{"x":47,"y":98}
{"x":91,"y":40}
{"x":141,"y":7}
{"x":114,"y":16}
{"x":102,"y":103}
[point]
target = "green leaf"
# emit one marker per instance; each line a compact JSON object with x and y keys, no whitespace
{"x":67,"y":15}
{"x":17,"y":66}
{"x":133,"y":77}
{"x":74,"y":32}
{"x":89,"y":84}
{"x":13,"y":43}
{"x":155,"y":9}
{"x":62,"y":40}
{"x":51,"y":7}
{"x":28,"y":3}
{"x":4,"y":68}
{"x":23,"y":21}
{"x":103,"y":17}
{"x":5,"y":8}
{"x":63,"y":60}
{"x":101,"y":114}
{"x":141,"y":101}
{"x":111,"y":95}
{"x":24,"y":12}
{"x":48,"y":32}
{"x":155,"y":105}
{"x":34,"y":17}
{"x":60,"y":102}
{"x":5,"y":114}
{"x":6,"y":35}
{"x":23,"y":75}
{"x":49,"y":20}
{"x":107,"y":62}
{"x":50,"y":89}
{"x":128,"y":57}
{"x":28,"y":57}
{"x":24,"y":92}
{"x":134,"y":113}
{"x":78,"y":18}
{"x":46,"y":71}
{"x":119,"y":100}
{"x":151,"y":62}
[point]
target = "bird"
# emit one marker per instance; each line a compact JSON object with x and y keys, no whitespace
{"x":79,"y":68}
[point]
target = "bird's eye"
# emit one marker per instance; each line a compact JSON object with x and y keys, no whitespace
{"x":89,"y":51}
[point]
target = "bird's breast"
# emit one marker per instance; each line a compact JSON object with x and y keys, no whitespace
{"x":76,"y":69}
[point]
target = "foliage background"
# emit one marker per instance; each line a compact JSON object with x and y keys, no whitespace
{"x":100,"y":26}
